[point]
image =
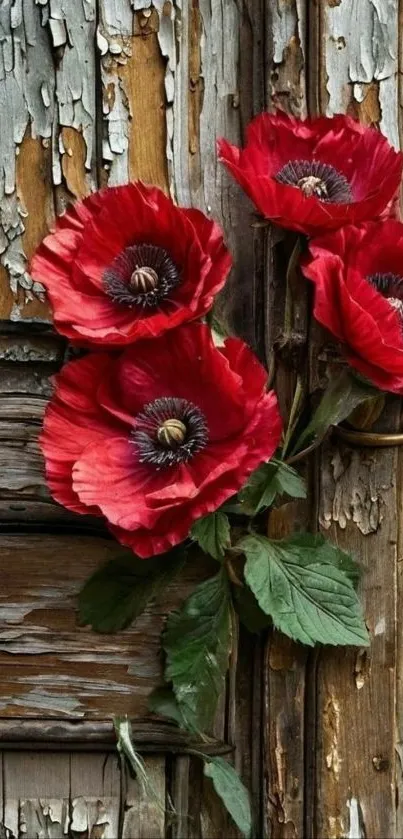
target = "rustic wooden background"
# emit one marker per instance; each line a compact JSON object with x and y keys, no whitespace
{"x":100,"y":91}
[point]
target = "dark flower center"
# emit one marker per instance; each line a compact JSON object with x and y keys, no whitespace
{"x":391,"y":287}
{"x":169,"y":431}
{"x":317,"y":180}
{"x":142,"y":275}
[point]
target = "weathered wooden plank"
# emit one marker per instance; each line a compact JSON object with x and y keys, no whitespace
{"x":284,"y":662}
{"x":2,"y":827}
{"x":359,"y":62}
{"x":399,"y":652}
{"x":182,"y":74}
{"x":245,"y":713}
{"x":50,"y":666}
{"x":286,"y":28}
{"x":27,"y":92}
{"x":145,"y":814}
{"x":181,"y":795}
{"x":95,"y":794}
{"x":36,"y":794}
{"x":50,"y":140}
{"x":133,"y":111}
{"x":351,"y":713}
{"x":355,"y":749}
{"x":150,"y":735}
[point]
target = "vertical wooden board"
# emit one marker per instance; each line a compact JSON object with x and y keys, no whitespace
{"x":244,"y":729}
{"x":95,"y":793}
{"x":284,"y":736}
{"x":147,"y":102}
{"x":353,"y":49}
{"x":36,"y":794}
{"x":228,"y":104}
{"x":34,"y":190}
{"x":181,"y":793}
{"x":27,"y":97}
{"x":145,"y":814}
{"x":358,"y":70}
{"x":283,"y":664}
{"x":355,"y":748}
{"x":72,"y":30}
{"x":286,"y":30}
{"x":399,"y":653}
{"x":187,"y":790}
{"x":47,"y":150}
{"x":2,"y":826}
{"x":285,"y":678}
{"x":134,"y":98}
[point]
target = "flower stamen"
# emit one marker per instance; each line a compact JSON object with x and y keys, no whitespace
{"x":391,"y":287}
{"x":171,"y":434}
{"x":141,"y":276}
{"x":311,"y":185}
{"x":316,"y":180}
{"x":396,"y":304}
{"x":143,"y":279}
{"x":169,"y":431}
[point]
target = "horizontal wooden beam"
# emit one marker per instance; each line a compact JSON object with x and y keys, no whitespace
{"x":148,"y":736}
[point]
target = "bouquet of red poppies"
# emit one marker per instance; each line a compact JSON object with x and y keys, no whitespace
{"x":170,"y":431}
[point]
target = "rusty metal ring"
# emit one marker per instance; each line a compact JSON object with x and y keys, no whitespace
{"x":370,"y":439}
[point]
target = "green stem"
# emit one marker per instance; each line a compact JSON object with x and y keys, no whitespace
{"x":290,"y":276}
{"x":294,"y":415}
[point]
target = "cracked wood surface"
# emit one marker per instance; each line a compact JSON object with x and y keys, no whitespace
{"x":84,"y":86}
{"x":97,"y":92}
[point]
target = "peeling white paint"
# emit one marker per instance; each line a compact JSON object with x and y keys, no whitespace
{"x":380,"y":627}
{"x":332,"y":727}
{"x":42,"y":100}
{"x":287,"y":21}
{"x":355,"y":828}
{"x":351,"y":491}
{"x":361,"y":46}
{"x":60,"y":703}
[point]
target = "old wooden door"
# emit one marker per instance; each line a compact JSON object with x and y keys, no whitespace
{"x":100,"y":91}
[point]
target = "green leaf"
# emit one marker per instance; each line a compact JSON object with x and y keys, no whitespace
{"x":232,"y":792}
{"x":213,"y":534}
{"x":309,"y":597}
{"x":249,"y":611}
{"x":338,"y":401}
{"x":162,"y":701}
{"x":197,"y":644}
{"x":269,"y":480}
{"x":327,"y":553}
{"x":120,"y":590}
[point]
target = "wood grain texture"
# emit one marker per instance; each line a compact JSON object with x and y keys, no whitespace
{"x":352,"y":786}
{"x":146,"y":814}
{"x":52,"y":796}
{"x":356,"y":690}
{"x":101,"y":91}
{"x":50,"y":666}
{"x":285,"y":662}
{"x":104,"y":91}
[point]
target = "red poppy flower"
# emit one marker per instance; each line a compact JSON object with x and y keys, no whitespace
{"x":126,"y":264}
{"x":314,"y":175}
{"x":160,"y":435}
{"x":358,"y":276}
